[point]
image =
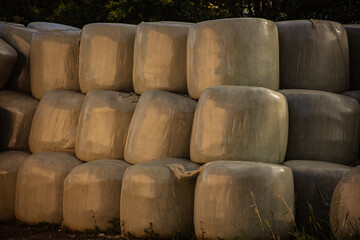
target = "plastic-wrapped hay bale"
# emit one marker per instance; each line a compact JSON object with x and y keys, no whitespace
{"x":39,"y":187}
{"x":49,"y":26}
{"x":344,"y":209}
{"x":354,"y":94}
{"x":55,"y":122}
{"x":160,"y":57}
{"x":228,"y":195}
{"x":16,"y":114}
{"x":160,"y":127}
{"x":314,"y":55}
{"x":237,"y":51}
{"x":20,"y":39}
{"x":8,"y":57}
{"x":106,"y":57}
{"x":353,"y":34}
{"x":240,"y":123}
{"x":103,"y":125}
{"x":314,"y":183}
{"x":154,"y":199}
{"x":10,"y":163}
{"x":54,"y":62}
{"x":12,"y":23}
{"x":92,"y":194}
{"x":322,"y":126}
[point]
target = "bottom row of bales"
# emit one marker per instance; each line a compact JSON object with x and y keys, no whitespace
{"x":228,"y":199}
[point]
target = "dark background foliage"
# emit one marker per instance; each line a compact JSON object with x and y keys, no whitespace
{"x":80,"y":12}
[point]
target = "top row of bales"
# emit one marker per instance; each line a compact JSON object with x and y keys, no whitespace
{"x":181,"y":58}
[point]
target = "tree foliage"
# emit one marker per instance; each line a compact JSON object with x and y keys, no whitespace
{"x":81,"y":12}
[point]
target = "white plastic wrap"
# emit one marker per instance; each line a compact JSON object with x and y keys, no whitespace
{"x":240,"y":123}
{"x":55,"y":122}
{"x":49,"y":26}
{"x":92,"y":194}
{"x":103,"y":125}
{"x":236,"y":51}
{"x":106,"y":57}
{"x":160,"y":57}
{"x":235,"y":199}
{"x":8,"y":57}
{"x":20,"y":39}
{"x":314,"y":54}
{"x":314,"y":183}
{"x":152,"y":194}
{"x":39,"y":187}
{"x":10,"y":163}
{"x":16,"y":114}
{"x":344,"y":209}
{"x":322,"y":126}
{"x":54,"y":62}
{"x":160,"y":127}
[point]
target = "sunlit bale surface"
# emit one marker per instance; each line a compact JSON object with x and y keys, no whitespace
{"x":49,"y":26}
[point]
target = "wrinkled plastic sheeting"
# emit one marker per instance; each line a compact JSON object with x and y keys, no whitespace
{"x":54,"y":62}
{"x":20,"y":39}
{"x":10,"y":163}
{"x":39,"y":187}
{"x":240,"y":123}
{"x":8,"y":57}
{"x":228,"y":195}
{"x":55,"y":122}
{"x":16,"y":115}
{"x":49,"y":26}
{"x":106,"y":57}
{"x":92,"y":193}
{"x":237,"y":51}
{"x":314,"y":54}
{"x":152,"y":194}
{"x":160,"y":127}
{"x":344,"y":209}
{"x":160,"y":57}
{"x":103,"y":125}
{"x":353,"y":34}
{"x":322,"y":126}
{"x":314,"y":183}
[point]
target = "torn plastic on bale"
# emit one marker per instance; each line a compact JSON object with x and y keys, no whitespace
{"x":160,"y":57}
{"x":20,"y":39}
{"x":106,"y":57}
{"x":236,"y":51}
{"x":54,"y":62}
{"x":16,"y":115}
{"x":8,"y":57}
{"x":92,"y":194}
{"x":10,"y":163}
{"x":55,"y":122}
{"x":103,"y":125}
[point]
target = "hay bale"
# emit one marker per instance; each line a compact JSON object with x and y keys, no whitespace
{"x":19,"y":38}
{"x":236,"y":51}
{"x":160,"y":127}
{"x":240,"y":123}
{"x":344,"y":209}
{"x":160,"y":57}
{"x":103,"y":125}
{"x":314,"y":54}
{"x":92,"y":194}
{"x":54,"y":62}
{"x":10,"y":163}
{"x":153,"y":199}
{"x":16,"y":115}
{"x":235,"y":199}
{"x":106,"y":57}
{"x":39,"y":187}
{"x":49,"y":26}
{"x":322,"y":126}
{"x":314,"y":183}
{"x":8,"y":57}
{"x":55,"y":122}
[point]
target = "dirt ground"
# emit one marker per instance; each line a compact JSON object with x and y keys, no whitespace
{"x":14,"y":230}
